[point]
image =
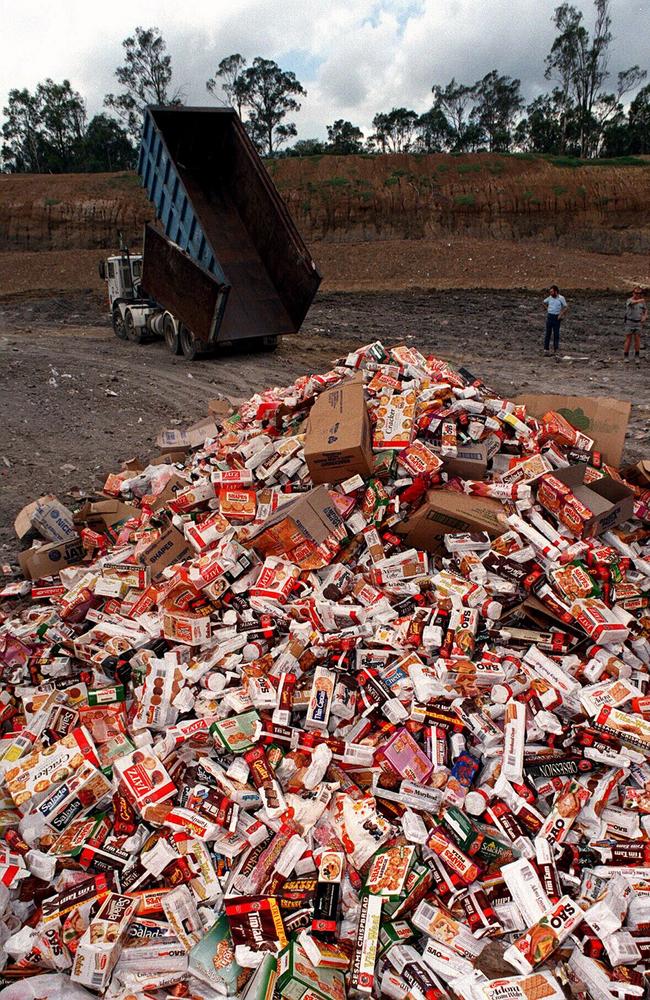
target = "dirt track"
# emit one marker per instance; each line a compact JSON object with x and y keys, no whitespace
{"x":71,"y":394}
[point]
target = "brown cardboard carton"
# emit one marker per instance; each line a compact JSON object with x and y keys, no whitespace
{"x":446,"y":512}
{"x":133,"y":465}
{"x":610,"y":500}
{"x":191,"y":437}
{"x":23,"y":523}
{"x":53,"y":520}
{"x":171,"y":547}
{"x":305,"y":522}
{"x":337,"y":441}
{"x":639,"y":474}
{"x":603,"y":419}
{"x":470,"y":462}
{"x":173,"y":486}
{"x":49,"y":559}
{"x":101,"y":514}
{"x":170,"y":457}
{"x":219,"y":409}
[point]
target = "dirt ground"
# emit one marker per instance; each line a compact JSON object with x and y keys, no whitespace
{"x":75,"y":401}
{"x":456,"y":261}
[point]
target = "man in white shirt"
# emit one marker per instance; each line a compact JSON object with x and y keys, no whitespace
{"x":556,"y":307}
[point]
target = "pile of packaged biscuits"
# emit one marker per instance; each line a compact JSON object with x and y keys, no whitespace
{"x":344,"y":694}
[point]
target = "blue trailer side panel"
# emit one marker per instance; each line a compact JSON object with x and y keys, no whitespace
{"x":170,"y":199}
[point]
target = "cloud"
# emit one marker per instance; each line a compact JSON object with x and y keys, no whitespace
{"x":354,"y":57}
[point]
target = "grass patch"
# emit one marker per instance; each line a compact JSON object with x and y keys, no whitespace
{"x":52,"y":201}
{"x":469,"y":168}
{"x":337,"y":182}
{"x":558,"y":190}
{"x":465,"y":199}
{"x":572,"y":162}
{"x":124,"y":181}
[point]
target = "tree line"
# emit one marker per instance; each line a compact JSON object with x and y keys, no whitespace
{"x":583,"y":114}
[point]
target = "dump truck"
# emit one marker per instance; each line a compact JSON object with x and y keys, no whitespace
{"x":224,"y":262}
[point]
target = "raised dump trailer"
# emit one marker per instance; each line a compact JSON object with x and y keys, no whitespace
{"x":225,"y":262}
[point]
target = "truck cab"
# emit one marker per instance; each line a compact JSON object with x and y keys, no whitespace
{"x":134,"y":316}
{"x":123,"y":275}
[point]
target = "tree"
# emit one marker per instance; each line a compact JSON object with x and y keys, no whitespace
{"x":433,"y":132}
{"x":498,"y":102}
{"x":43,"y":131}
{"x":63,"y":120}
{"x":306,"y":147}
{"x":145,"y":76}
{"x":639,"y":121}
{"x":106,"y":146}
{"x":455,"y":101}
{"x":229,"y":77}
{"x":344,"y":138}
{"x":579,"y":64}
{"x":270,"y":93}
{"x":394,"y":130}
{"x":22,"y":149}
{"x":541,"y":130}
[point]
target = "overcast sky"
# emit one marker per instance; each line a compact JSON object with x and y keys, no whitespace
{"x":354,"y":57}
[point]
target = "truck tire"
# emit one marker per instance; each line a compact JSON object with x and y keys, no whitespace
{"x":268,"y":343}
{"x":119,"y":328}
{"x":189,"y":345}
{"x":170,"y":333}
{"x":133,"y":332}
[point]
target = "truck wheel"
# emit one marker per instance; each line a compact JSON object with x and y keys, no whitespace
{"x":133,"y":332}
{"x":170,"y":334}
{"x":119,"y":328}
{"x":267,"y":343}
{"x":189,"y":345}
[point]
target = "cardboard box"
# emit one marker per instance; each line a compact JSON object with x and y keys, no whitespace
{"x":53,"y":520}
{"x":192,"y":437}
{"x":603,"y":419}
{"x":173,"y":486}
{"x":219,"y":409}
{"x":337,"y":441}
{"x":23,"y":523}
{"x":170,"y":457}
{"x":297,"y":528}
{"x":639,"y":474}
{"x":470,"y":462}
{"x":610,"y":500}
{"x":46,"y":517}
{"x":446,"y":512}
{"x":171,"y":547}
{"x":102,"y":514}
{"x":49,"y":559}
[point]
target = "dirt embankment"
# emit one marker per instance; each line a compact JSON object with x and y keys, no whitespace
{"x":360,"y":198}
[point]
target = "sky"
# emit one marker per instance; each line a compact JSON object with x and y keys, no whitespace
{"x":353,"y":57}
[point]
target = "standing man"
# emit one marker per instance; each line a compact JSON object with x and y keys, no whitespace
{"x":556,"y":307}
{"x":636,"y":313}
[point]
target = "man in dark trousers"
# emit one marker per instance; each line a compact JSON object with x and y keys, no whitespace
{"x":556,"y":308}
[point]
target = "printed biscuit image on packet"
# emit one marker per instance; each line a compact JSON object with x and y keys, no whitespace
{"x":326,"y":712}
